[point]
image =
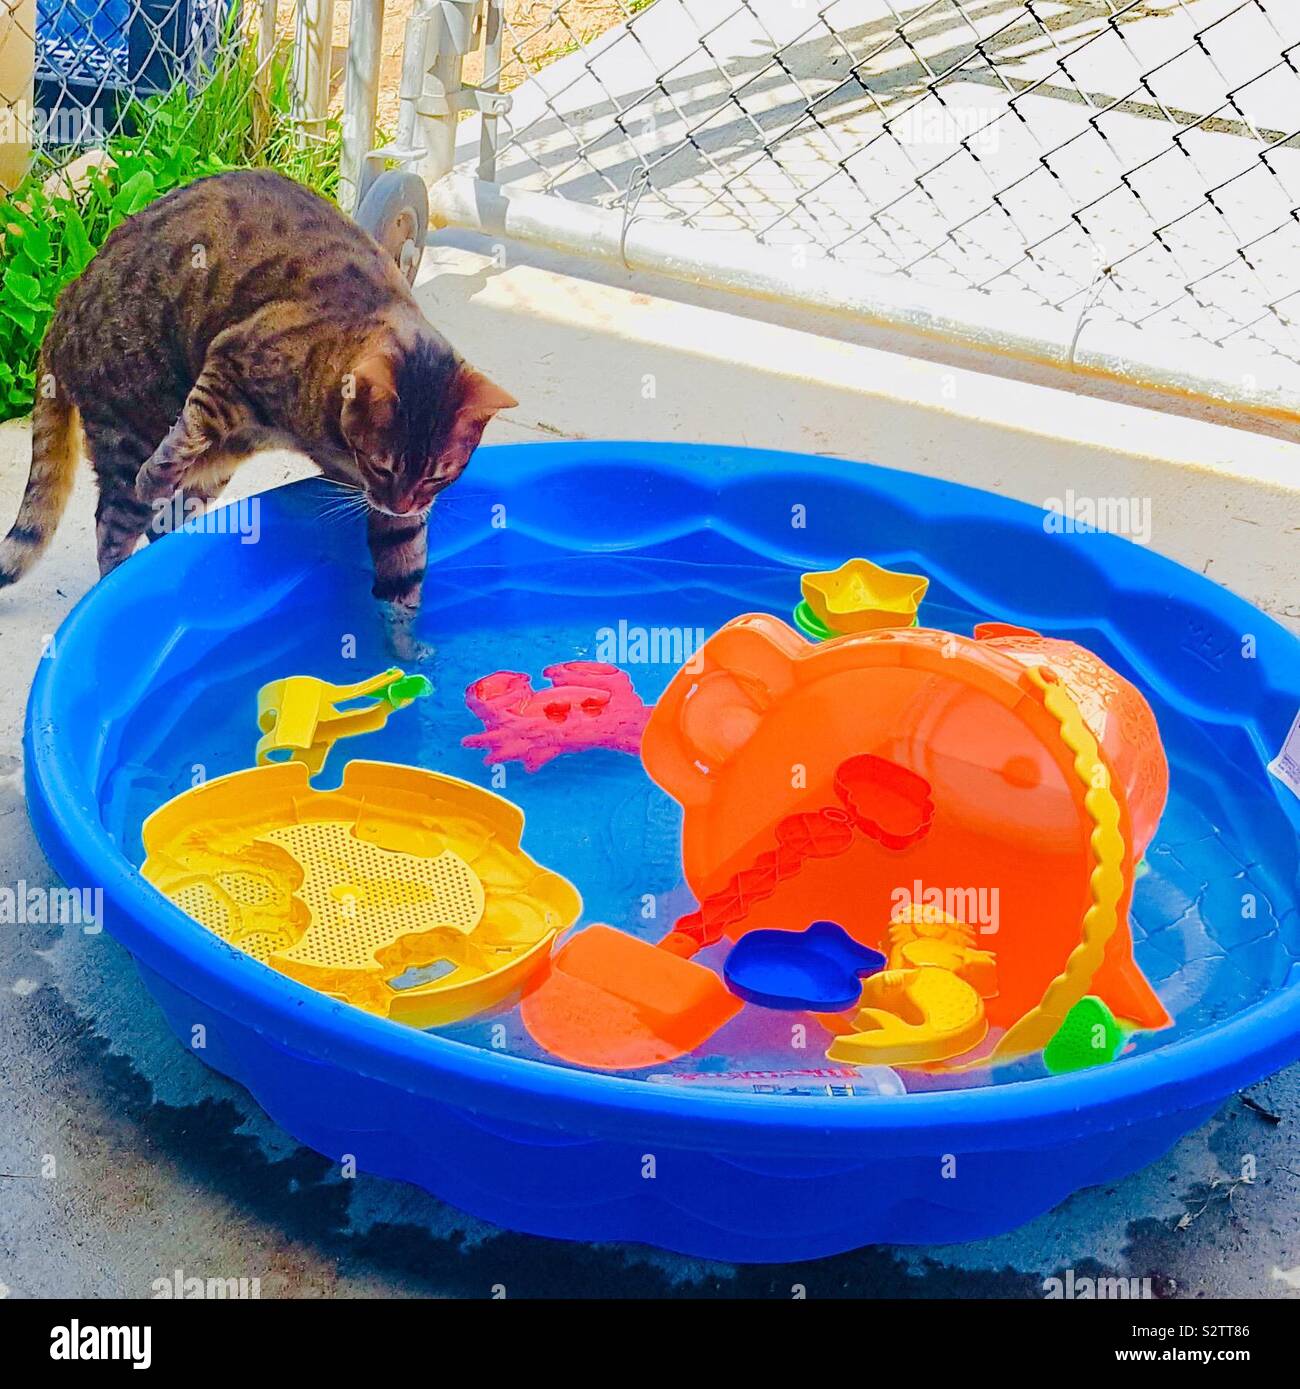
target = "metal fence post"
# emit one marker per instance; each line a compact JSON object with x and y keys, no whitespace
{"x":488,"y":134}
{"x":312,"y":48}
{"x":360,"y":96}
{"x":433,"y":106}
{"x":265,"y":57}
{"x":433,"y":93}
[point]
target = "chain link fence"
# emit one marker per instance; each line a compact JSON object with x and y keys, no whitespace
{"x":69,"y":69}
{"x":75,"y":73}
{"x":1137,"y":162}
{"x":1125,"y":162}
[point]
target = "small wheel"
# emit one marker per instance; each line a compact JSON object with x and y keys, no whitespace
{"x":395,"y":211}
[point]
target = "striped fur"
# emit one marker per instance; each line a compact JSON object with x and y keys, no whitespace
{"x":239,"y":313}
{"x":55,"y":431}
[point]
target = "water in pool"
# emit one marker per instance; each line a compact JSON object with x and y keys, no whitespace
{"x":1214,"y":929}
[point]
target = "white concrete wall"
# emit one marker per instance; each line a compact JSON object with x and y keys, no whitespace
{"x":589,"y":358}
{"x":624,"y":361}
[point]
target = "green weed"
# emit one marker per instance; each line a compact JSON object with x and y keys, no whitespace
{"x":49,"y":231}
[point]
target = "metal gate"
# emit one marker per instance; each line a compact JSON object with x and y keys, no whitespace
{"x":1104,"y":186}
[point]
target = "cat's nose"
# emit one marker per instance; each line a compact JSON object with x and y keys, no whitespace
{"x":422,"y":497}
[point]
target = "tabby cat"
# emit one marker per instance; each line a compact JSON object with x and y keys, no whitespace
{"x":245,"y":312}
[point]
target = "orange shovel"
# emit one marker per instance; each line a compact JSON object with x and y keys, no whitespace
{"x":617,"y":1003}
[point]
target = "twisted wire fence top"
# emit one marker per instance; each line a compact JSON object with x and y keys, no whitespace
{"x":1137,"y":160}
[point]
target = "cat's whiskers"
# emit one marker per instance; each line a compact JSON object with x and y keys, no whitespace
{"x":342,"y":501}
{"x":453,"y":510}
{"x":330,"y":506}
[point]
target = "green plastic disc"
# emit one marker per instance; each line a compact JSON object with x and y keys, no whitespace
{"x":810,"y":624}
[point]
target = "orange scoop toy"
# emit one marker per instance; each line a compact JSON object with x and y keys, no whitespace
{"x":1045,"y":779}
{"x":617,"y":1003}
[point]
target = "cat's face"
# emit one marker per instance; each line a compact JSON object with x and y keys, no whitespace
{"x":412,"y":418}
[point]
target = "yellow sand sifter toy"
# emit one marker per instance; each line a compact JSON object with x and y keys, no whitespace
{"x":403,"y":892}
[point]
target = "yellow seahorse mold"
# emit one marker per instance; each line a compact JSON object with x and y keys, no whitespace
{"x":908,"y":1017}
{"x":928,"y":1005}
{"x":923,"y":935}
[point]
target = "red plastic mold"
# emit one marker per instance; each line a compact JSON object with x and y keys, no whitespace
{"x":886,"y":801}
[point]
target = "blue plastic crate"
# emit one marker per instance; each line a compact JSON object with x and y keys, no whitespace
{"x":93,"y":54}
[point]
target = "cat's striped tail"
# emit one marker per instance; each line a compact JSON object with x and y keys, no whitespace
{"x":55,"y":447}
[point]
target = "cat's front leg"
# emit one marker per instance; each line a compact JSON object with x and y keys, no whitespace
{"x":215,"y":416}
{"x":163,"y":472}
{"x":399,"y":547}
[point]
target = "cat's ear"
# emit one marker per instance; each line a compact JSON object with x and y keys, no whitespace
{"x":481,"y":398}
{"x":477,"y":400}
{"x":370,"y":404}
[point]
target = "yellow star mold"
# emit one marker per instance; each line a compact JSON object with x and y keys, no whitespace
{"x":863,"y":597}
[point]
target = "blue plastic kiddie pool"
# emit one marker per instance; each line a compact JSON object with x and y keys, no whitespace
{"x":634,"y":553}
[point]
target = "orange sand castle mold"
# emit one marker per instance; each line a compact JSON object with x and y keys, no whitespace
{"x":758,"y":728}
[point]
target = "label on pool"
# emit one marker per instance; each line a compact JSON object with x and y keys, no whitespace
{"x":833,"y":1082}
{"x":1286,"y":765}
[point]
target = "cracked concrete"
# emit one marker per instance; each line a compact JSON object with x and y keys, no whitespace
{"x":125,"y":1159}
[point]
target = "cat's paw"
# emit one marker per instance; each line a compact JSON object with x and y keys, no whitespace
{"x":411,"y":650}
{"x":154,"y":484}
{"x":403,"y":643}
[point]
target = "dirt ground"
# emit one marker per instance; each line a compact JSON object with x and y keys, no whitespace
{"x":537,"y":32}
